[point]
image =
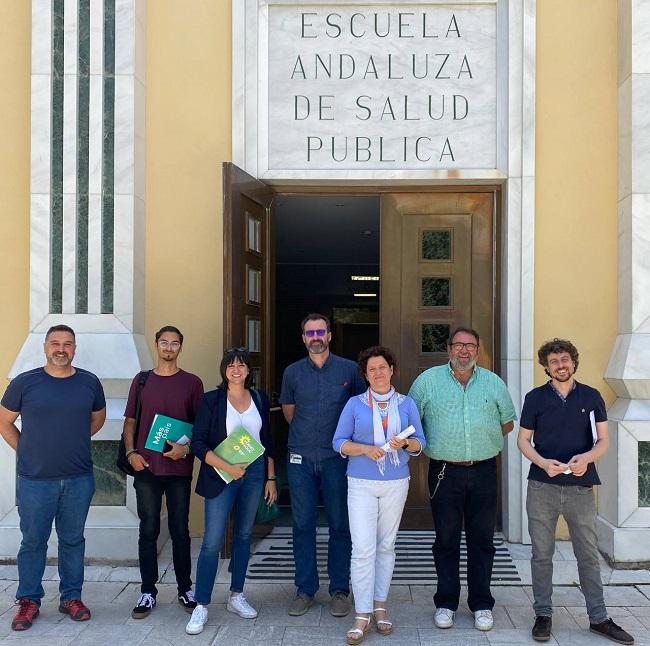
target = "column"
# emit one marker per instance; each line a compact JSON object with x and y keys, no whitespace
{"x":87,"y":231}
{"x":624,"y":499}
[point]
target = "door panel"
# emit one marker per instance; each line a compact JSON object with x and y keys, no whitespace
{"x":436,"y":274}
{"x":249,"y":279}
{"x":249,"y":270}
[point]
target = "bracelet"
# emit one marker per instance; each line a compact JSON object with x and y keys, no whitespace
{"x":405,"y":445}
{"x":130,"y":452}
{"x":271,"y":479}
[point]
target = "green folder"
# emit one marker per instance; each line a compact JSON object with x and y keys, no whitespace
{"x":165,"y":428}
{"x":240,"y":447}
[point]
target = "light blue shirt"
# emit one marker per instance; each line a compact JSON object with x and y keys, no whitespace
{"x":462,"y":423}
{"x":356,"y":424}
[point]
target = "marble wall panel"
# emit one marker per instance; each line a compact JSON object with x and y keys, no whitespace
{"x":94,"y":253}
{"x":124,"y":159}
{"x":39,"y":258}
{"x":70,"y":133}
{"x":639,"y":13}
{"x":125,"y":37}
{"x":70,"y":36}
{"x":624,"y":26}
{"x":640,"y":128}
{"x":41,"y":130}
{"x":69,"y":253}
{"x":123,"y":302}
{"x":418,"y":107}
{"x":41,"y":36}
{"x":96,"y":36}
{"x":624,"y":138}
{"x":640,"y":263}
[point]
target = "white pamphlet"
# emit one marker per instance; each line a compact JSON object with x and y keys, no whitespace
{"x":409,"y":430}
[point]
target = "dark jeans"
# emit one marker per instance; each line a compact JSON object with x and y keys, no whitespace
{"x":466,"y":494}
{"x":66,"y":502}
{"x":305,"y":480}
{"x":149,"y":490}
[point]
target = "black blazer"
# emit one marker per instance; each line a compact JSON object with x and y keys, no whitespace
{"x":210,"y":430}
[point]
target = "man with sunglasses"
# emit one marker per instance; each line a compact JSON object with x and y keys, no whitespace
{"x":466,"y":410}
{"x":169,"y":391}
{"x":314,"y":391}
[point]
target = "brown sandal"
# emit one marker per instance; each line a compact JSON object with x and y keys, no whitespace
{"x":355,"y":635}
{"x":384,"y":626}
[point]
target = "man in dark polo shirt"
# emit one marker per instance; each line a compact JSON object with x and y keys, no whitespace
{"x":169,"y":391}
{"x":314,"y":392}
{"x":563,"y":432}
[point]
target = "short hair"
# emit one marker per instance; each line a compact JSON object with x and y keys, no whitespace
{"x":60,"y":328}
{"x":557,"y":346}
{"x":376,"y":351}
{"x":314,"y":316}
{"x":467,"y":330}
{"x":169,"y":328}
{"x":230,"y":355}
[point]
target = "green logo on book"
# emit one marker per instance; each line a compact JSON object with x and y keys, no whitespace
{"x":240,"y":447}
{"x":165,"y":428}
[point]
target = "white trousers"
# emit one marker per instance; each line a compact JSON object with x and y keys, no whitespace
{"x":375,"y":509}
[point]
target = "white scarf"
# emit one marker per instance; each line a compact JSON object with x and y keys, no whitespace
{"x":393,"y":426}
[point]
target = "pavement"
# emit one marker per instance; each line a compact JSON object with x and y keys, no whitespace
{"x":111,"y":592}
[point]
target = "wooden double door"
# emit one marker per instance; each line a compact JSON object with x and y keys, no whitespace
{"x":437,"y":271}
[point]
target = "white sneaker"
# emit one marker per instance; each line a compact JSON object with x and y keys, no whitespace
{"x":444,"y":618}
{"x":197,"y":620}
{"x":241,"y":607}
{"x":483,"y":620}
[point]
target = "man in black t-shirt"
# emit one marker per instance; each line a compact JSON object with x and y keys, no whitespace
{"x":563,"y":431}
{"x":60,"y":407}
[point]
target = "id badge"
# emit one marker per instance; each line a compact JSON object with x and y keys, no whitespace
{"x":294,"y":458}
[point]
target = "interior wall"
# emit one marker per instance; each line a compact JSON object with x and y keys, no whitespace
{"x":15,"y":71}
{"x":188,"y":136}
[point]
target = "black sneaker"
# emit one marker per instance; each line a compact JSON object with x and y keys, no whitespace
{"x":146,"y":603}
{"x":186,"y":599}
{"x":542,"y":628}
{"x":610,"y":630}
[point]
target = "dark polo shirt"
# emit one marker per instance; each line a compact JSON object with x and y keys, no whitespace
{"x":319,"y":395}
{"x":562,"y":429}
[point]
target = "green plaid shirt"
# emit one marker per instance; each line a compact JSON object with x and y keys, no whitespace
{"x":462,"y":424}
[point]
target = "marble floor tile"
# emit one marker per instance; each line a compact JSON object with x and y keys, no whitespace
{"x":112,"y":635}
{"x":127,"y":574}
{"x":619,"y":577}
{"x":517,"y":636}
{"x":644,"y":590}
{"x":455,"y":636}
{"x":624,"y":596}
{"x":176,"y":636}
{"x":253,"y":635}
{"x":275,"y":614}
{"x":525,"y":617}
{"x":510,"y":596}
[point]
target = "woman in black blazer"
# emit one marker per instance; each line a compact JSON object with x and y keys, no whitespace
{"x":233,"y":404}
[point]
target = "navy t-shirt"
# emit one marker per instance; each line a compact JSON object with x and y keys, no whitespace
{"x":562,"y":429}
{"x":55,"y":412}
{"x":319,"y":395}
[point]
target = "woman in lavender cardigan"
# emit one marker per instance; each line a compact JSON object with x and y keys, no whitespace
{"x":378,"y":482}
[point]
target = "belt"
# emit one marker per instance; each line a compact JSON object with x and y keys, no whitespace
{"x":467,"y":463}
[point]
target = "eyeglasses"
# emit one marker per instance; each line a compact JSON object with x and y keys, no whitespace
{"x":231,"y":350}
{"x":472,"y":347}
{"x":312,"y":333}
{"x":174,"y":345}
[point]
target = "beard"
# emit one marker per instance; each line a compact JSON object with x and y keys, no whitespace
{"x":317,"y":347}
{"x":60,"y":359}
{"x":462,"y":367}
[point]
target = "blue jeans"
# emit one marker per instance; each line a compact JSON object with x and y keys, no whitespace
{"x":149,"y":490}
{"x":544,"y":503}
{"x":245,"y":495}
{"x":466,"y":495}
{"x":41,"y":502}
{"x":305,"y":480}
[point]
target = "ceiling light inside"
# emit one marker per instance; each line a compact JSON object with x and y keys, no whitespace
{"x":360,"y":295}
{"x":374,"y":278}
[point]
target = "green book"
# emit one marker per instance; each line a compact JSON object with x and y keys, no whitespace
{"x":165,"y":428}
{"x":240,"y":447}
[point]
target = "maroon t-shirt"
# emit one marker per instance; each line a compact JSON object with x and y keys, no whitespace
{"x":178,"y":396}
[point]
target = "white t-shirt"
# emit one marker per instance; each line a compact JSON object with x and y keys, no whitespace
{"x":250,"y":419}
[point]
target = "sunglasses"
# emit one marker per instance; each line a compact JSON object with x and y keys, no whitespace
{"x":313,"y":333}
{"x":231,"y":350}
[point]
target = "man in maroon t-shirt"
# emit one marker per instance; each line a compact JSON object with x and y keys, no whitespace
{"x":169,"y":391}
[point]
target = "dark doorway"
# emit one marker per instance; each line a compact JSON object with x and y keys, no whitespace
{"x":327,"y":261}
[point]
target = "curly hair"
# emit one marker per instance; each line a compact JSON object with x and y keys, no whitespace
{"x":557,"y":346}
{"x":376,"y":351}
